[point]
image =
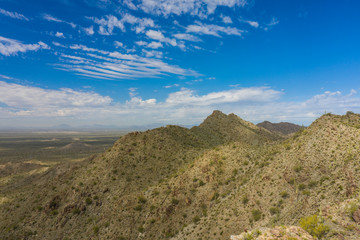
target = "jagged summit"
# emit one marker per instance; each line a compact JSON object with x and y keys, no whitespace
{"x":226,"y":128}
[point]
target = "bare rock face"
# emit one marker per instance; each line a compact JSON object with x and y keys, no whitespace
{"x":356,"y":216}
{"x":292,"y":232}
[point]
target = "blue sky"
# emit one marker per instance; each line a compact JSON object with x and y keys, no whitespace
{"x":138,"y":62}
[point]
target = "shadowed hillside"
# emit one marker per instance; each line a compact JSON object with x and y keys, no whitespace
{"x":283,"y":128}
{"x":208,"y":182}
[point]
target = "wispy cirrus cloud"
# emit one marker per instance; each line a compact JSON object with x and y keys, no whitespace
{"x":96,"y":63}
{"x":51,"y":18}
{"x":14,"y":15}
{"x":187,"y":37}
{"x":273,"y":22}
{"x":211,"y":29}
{"x":11,"y":47}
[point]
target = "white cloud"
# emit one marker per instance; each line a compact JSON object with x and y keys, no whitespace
{"x":132,"y":92}
{"x":101,"y":64}
{"x":9,"y":47}
{"x":187,"y":96}
{"x":158,"y":35}
{"x":226,"y":19}
{"x":155,"y":45}
{"x":118,"y":44}
{"x":110,"y":22}
{"x":141,"y":43}
{"x":5,"y":77}
{"x":25,"y":100}
{"x":138,"y":102}
{"x":58,"y":44}
{"x":89,"y":30}
{"x":174,"y":85}
{"x":253,"y":23}
{"x":273,"y":22}
{"x":138,"y":24}
{"x":59,"y":35}
{"x":152,"y":53}
{"x":13,"y":15}
{"x":44,"y":106}
{"x":129,"y":4}
{"x":187,"y":37}
{"x":51,"y":18}
{"x":200,"y":8}
{"x":214,"y":30}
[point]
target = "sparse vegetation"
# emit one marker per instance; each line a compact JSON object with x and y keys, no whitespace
{"x":256,"y":214}
{"x":312,"y":225}
{"x":193,"y":183}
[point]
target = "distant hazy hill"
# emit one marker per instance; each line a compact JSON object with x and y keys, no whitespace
{"x":208,"y":182}
{"x":284,"y":128}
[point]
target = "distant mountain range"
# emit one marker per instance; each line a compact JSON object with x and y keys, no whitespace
{"x":283,"y":128}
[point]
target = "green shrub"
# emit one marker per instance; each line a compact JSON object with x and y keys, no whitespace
{"x":138,"y":207}
{"x":196,"y":219}
{"x":54,"y":212}
{"x":142,"y":199}
{"x":313,"y":226}
{"x":96,"y":229}
{"x":306,"y":192}
{"x":215,"y":196}
{"x":353,"y":207}
{"x":175,"y":201}
{"x":312,"y":184}
{"x":297,"y":168}
{"x":284,"y":194}
{"x":76,"y":211}
{"x":274,"y":210}
{"x":88,"y":201}
{"x":302,"y":186}
{"x":245,"y":200}
{"x":256,"y":214}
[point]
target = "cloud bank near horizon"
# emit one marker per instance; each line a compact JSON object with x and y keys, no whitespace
{"x":31,"y":106}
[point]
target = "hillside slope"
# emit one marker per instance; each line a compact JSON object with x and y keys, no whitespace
{"x":209,"y":182}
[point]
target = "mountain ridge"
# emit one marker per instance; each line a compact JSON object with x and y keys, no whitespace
{"x":211,"y":181}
